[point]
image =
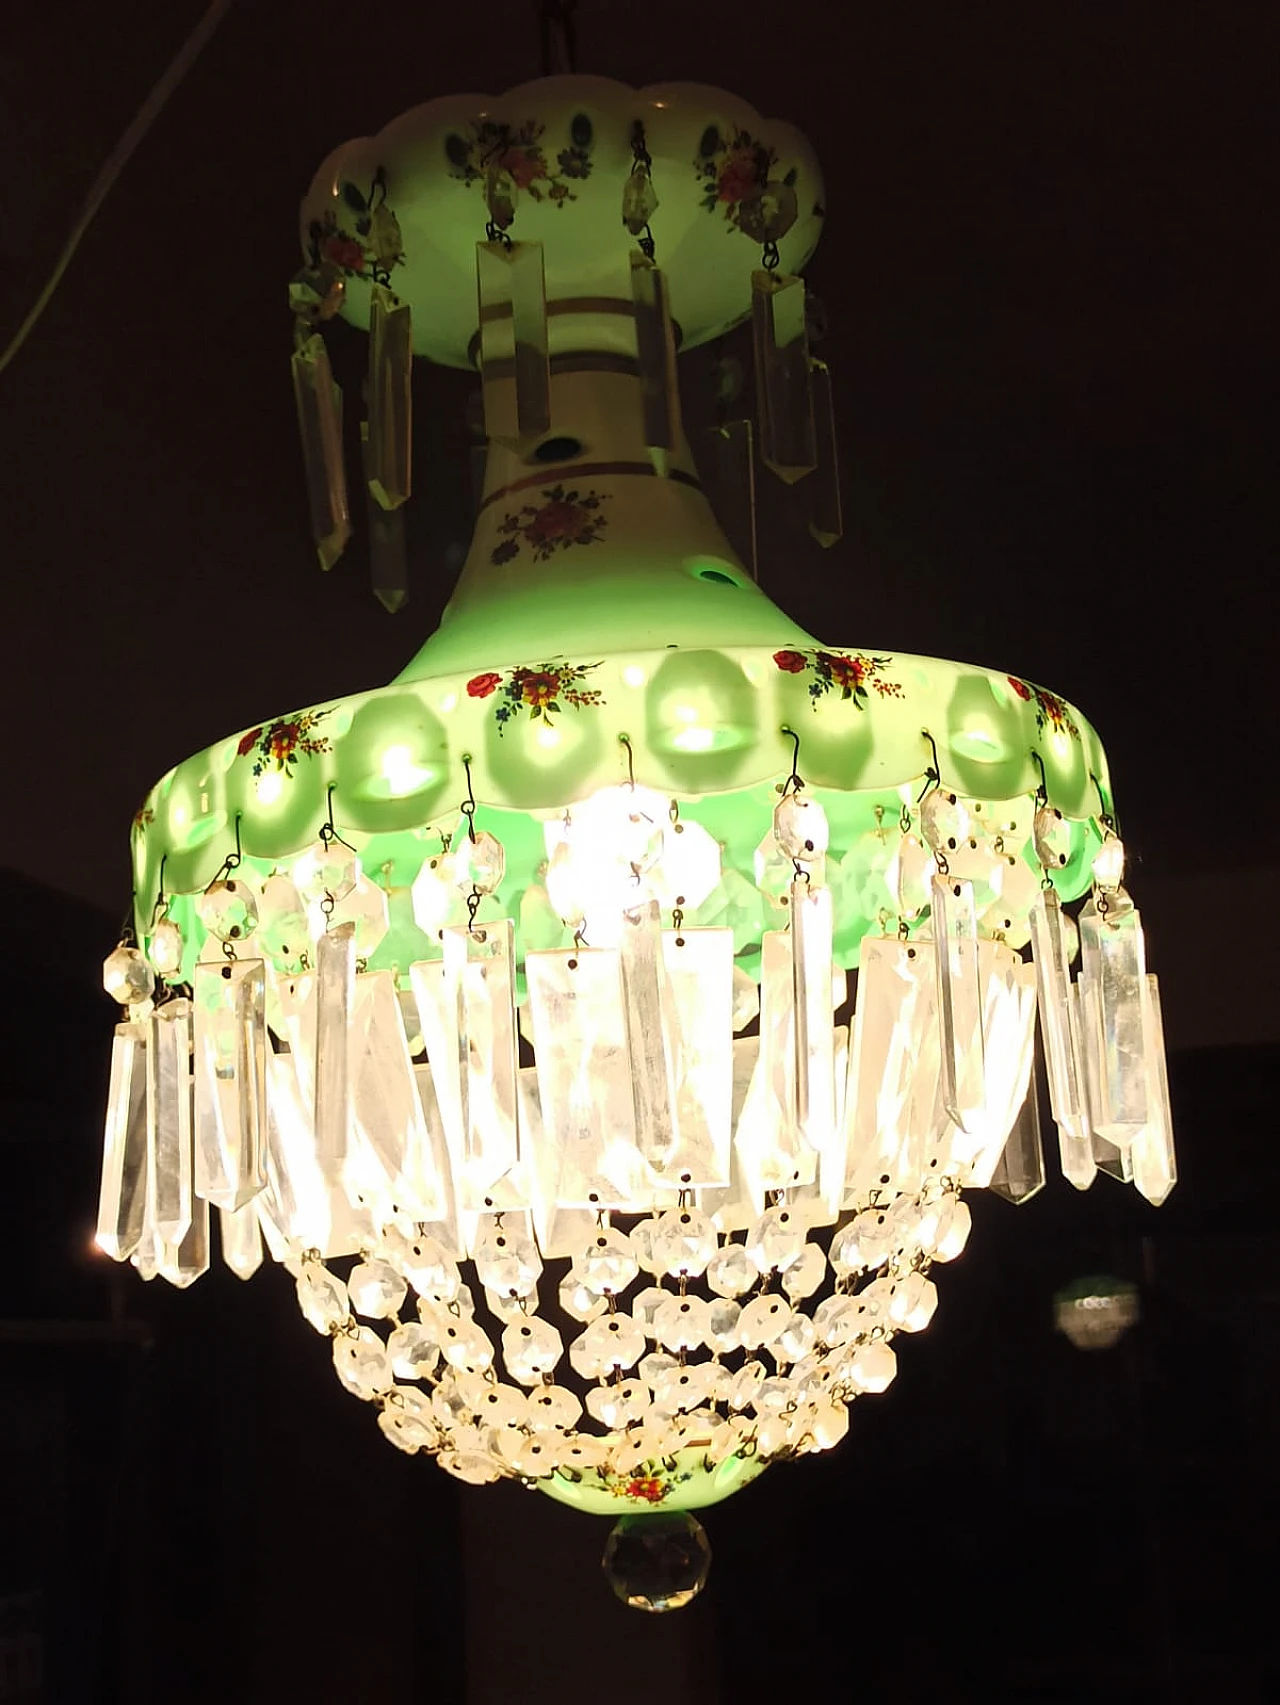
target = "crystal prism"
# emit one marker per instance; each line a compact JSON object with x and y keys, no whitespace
{"x":772,"y":1152}
{"x":390,"y":398}
{"x":169,"y":1152}
{"x":182,"y":1263}
{"x":826,"y":515}
{"x":319,"y":404}
{"x":1113,"y":959}
{"x":230,"y":1081}
{"x":894,"y":1022}
{"x":127,"y":977}
{"x":656,"y":355}
{"x":649,"y":1044}
{"x":388,"y":545}
{"x":1155,"y":1167}
{"x":335,"y":1003}
{"x":1053,"y":986}
{"x":241,"y":1239}
{"x":514,"y":364}
{"x":727,"y":454}
{"x":960,"y":1003}
{"x":122,"y":1197}
{"x":698,"y":966}
{"x":1019,"y":1172}
{"x":480,"y":983}
{"x":396,"y":1157}
{"x":811,"y":968}
{"x":783,"y":388}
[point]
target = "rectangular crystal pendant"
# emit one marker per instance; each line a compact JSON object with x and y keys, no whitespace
{"x":480,"y":973}
{"x":388,"y":467}
{"x":388,"y":557}
{"x":186,"y":1260}
{"x":1053,"y":985}
{"x":393,"y":1157}
{"x":826,"y":516}
{"x":123,"y":1191}
{"x":1009,"y":1034}
{"x":335,"y":1006}
{"x":561,"y":1232}
{"x":319,"y":403}
{"x":230,"y":1081}
{"x":811,"y":971}
{"x":733,"y":1207}
{"x":584,"y":1080}
{"x":729,"y":463}
{"x":699,"y":991}
{"x":772,"y":1151}
{"x":892,"y":1039}
{"x":240,"y":1236}
{"x":169,"y":1154}
{"x":447,"y":1227}
{"x":834,"y":1160}
{"x":515,"y":368}
{"x":299,"y":1209}
{"x":1019,"y":1171}
{"x":1107,"y":1156}
{"x":960,"y":999}
{"x":656,"y":353}
{"x":784,"y":400}
{"x":649,"y":1047}
{"x":1112,"y":955}
{"x":1155,"y":1166}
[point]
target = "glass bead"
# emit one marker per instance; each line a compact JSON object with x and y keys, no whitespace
{"x":773,"y":1434}
{"x":502,"y":1406}
{"x":655,"y":1367}
{"x":644,"y":1242}
{"x":828,"y":1425}
{"x":746,"y":998}
{"x":746,"y":1382}
{"x":376,"y":1290}
{"x":327,"y":867}
{"x":688,"y":869}
{"x":613,"y":1341}
{"x":618,"y":1406}
{"x":322,"y":1297}
{"x":913,"y":1301}
{"x":722,"y":1324}
{"x":365,"y":905}
{"x":608,"y":1264}
{"x":578,"y":1300}
{"x":806,"y":1273}
{"x":716,"y":1379}
{"x":872,"y":1305}
{"x":127,"y":977}
{"x":800,"y":828}
{"x":657,"y":1562}
{"x":435,"y":896}
{"x":550,"y":1408}
{"x":165,"y":948}
{"x":475,"y":1467}
{"x":685,"y":1387}
{"x":480,"y":863}
{"x":413,"y":1350}
{"x":864,"y":1243}
{"x":639,"y":202}
{"x":284,"y":934}
{"x":774,"y":1395}
{"x":530,"y":1349}
{"x":506,"y":1308}
{"x":909,"y":874}
{"x":944,"y":822}
{"x":405,"y":1431}
{"x":731,"y":1271}
{"x":465,"y":1346}
{"x":1070,"y":938}
{"x":424,"y":1262}
{"x":681,"y":1323}
{"x":776,"y":1239}
{"x":1108,"y":863}
{"x":798,"y":1338}
{"x":979,"y":864}
{"x":506,"y":1259}
{"x":836,"y":1321}
{"x":865,"y":889}
{"x":684,"y":1242}
{"x":229,"y":910}
{"x":645,"y":1305}
{"x":763,"y":1321}
{"x":362,"y":1363}
{"x":946,"y":1226}
{"x":873,"y":1366}
{"x":1051,"y":837}
{"x":622,"y":824}
{"x":582,"y":1452}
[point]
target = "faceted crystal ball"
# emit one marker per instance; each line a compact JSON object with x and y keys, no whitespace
{"x":657,"y":1562}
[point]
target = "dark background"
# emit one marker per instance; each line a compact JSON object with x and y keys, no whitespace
{"x":1047,"y":270}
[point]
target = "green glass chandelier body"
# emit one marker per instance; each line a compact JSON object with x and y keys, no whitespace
{"x":538,"y":954}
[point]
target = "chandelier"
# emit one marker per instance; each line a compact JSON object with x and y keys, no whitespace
{"x":508,"y":1006}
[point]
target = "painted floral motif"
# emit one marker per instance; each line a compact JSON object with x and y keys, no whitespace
{"x":1051,"y":712}
{"x":837,"y":671}
{"x":366,"y":243}
{"x":518,"y":151}
{"x":278,"y":744}
{"x":735,"y":172}
{"x":646,"y":1486}
{"x":557,"y":520}
{"x":543,"y":692}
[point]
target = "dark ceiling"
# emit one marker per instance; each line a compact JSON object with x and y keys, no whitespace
{"x":1043,"y":272}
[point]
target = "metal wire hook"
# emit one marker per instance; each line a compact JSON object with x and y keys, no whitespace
{"x":468,"y":806}
{"x":232,"y":860}
{"x":1042,"y":791}
{"x":625,"y":740}
{"x":327,"y":830}
{"x":794,"y":781}
{"x":933,"y":775}
{"x":1105,"y":817}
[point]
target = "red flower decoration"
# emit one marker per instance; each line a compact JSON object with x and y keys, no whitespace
{"x":248,"y":742}
{"x":558,"y":520}
{"x":524,"y":164}
{"x":344,"y":252}
{"x":1020,"y":687}
{"x":538,"y":686}
{"x":846,"y":672}
{"x":646,"y":1487}
{"x":792,"y":661}
{"x":739,"y":178}
{"x":480,"y":686}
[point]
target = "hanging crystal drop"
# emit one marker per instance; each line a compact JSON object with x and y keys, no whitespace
{"x":335,"y":1002}
{"x":960,"y":1003}
{"x":1053,"y":987}
{"x":229,"y":909}
{"x":826,"y":515}
{"x":514,"y":361}
{"x":169,"y":1150}
{"x":687,"y":868}
{"x":127,"y":977}
{"x":656,"y":355}
{"x":397,"y":1160}
{"x":230,"y":1081}
{"x":649,"y":1046}
{"x":1108,"y":864}
{"x":122,"y":1197}
{"x":783,"y":389}
{"x":480,"y":981}
{"x":182,"y":1263}
{"x":327,"y":870}
{"x":283,"y":935}
{"x":165,"y":948}
{"x":771,"y":1150}
{"x":800,"y":828}
{"x":944,"y":822}
{"x":698,"y":966}
{"x":1051,"y":837}
{"x":319,"y":404}
{"x":1155,"y":1167}
{"x":1113,"y":959}
{"x":437,"y":901}
{"x":390,"y":398}
{"x":893,"y":1040}
{"x":811,"y":966}
{"x":1019,"y":1172}
{"x":908,"y":875}
{"x":479,"y":861}
{"x":388,"y":549}
{"x":241,"y":1239}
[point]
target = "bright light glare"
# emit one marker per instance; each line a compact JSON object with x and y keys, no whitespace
{"x":269,"y":788}
{"x":633,"y":675}
{"x":400,"y":772}
{"x":694,"y":740}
